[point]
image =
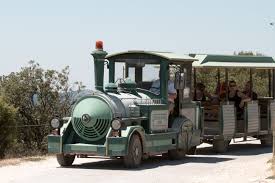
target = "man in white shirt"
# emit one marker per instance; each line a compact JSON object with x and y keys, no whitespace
{"x":172,"y":92}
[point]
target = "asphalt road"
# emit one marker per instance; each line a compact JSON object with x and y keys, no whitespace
{"x":245,"y":162}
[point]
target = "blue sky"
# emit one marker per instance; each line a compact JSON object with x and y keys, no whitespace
{"x":60,"y":33}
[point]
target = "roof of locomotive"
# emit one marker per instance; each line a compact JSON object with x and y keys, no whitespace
{"x":149,"y":57}
{"x":233,"y":61}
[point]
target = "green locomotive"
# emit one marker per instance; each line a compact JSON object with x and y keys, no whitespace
{"x":125,"y":119}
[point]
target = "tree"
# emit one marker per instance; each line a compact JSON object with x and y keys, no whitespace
{"x":7,"y":131}
{"x":39,"y":95}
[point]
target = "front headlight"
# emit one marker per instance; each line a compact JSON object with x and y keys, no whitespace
{"x":116,"y":124}
{"x":55,"y":123}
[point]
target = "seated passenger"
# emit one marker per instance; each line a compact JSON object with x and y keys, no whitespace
{"x":172,"y":95}
{"x":237,"y":97}
{"x":248,"y":92}
{"x":200,"y":93}
{"x":155,"y":88}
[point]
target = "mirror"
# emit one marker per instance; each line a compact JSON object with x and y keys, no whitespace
{"x":179,"y":81}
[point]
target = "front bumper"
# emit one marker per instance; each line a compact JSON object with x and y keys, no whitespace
{"x":114,"y":146}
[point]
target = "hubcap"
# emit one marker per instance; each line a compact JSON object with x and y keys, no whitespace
{"x":136,"y":152}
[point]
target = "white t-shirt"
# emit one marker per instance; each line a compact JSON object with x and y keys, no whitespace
{"x":155,"y":88}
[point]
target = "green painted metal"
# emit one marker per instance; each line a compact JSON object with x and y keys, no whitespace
{"x":164,"y":71}
{"x":111,"y":71}
{"x":110,"y":87}
{"x":99,"y":118}
{"x":233,"y":61}
{"x":150,"y":56}
{"x":99,"y":59}
{"x":53,"y":144}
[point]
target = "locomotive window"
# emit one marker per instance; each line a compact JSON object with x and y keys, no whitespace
{"x":119,"y":70}
{"x":131,"y":73}
{"x":150,"y":72}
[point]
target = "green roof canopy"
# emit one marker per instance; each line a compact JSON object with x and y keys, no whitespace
{"x":234,"y":61}
{"x":149,"y":57}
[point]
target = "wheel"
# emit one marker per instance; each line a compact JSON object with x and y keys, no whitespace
{"x":267,"y":140}
{"x":220,"y":146}
{"x":134,"y":157}
{"x":176,"y":154}
{"x":65,"y":160}
{"x":192,"y":150}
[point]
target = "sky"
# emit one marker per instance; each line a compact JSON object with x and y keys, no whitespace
{"x":57,"y":33}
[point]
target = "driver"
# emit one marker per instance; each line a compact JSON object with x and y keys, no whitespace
{"x":172,"y":92}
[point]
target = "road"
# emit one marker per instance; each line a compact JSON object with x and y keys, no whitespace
{"x":245,"y":162}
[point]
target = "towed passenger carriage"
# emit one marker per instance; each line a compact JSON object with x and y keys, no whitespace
{"x":220,"y":122}
{"x":124,"y":119}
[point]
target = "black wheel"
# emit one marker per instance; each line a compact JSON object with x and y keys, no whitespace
{"x":267,"y":140}
{"x":221,"y":146}
{"x":176,"y":154}
{"x":192,"y":150}
{"x":65,"y":160}
{"x":134,"y":157}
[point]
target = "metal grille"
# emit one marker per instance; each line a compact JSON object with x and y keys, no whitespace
{"x":93,"y":133}
{"x":148,"y":101}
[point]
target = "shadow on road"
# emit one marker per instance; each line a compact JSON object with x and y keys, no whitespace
{"x":203,"y":155}
{"x":152,"y":162}
{"x":238,"y":150}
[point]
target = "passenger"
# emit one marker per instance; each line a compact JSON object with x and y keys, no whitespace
{"x":200,"y":93}
{"x":172,"y":95}
{"x":237,"y":97}
{"x":172,"y":92}
{"x":222,"y":92}
{"x":248,"y":92}
{"x":155,"y":88}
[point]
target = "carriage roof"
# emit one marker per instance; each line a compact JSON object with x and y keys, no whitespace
{"x":233,"y":61}
{"x":149,"y":57}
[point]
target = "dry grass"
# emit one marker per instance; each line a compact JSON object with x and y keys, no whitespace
{"x":273,"y":167}
{"x":272,"y":162}
{"x":17,"y":161}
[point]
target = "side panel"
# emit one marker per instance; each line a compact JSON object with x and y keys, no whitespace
{"x":253,"y":123}
{"x":229,"y":120}
{"x":272,"y":115}
{"x":159,"y":120}
{"x":192,"y":112}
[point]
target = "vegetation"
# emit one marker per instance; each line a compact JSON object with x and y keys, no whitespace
{"x":38,"y":95}
{"x":7,"y":133}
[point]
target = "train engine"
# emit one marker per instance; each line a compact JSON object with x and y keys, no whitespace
{"x":123,"y":120}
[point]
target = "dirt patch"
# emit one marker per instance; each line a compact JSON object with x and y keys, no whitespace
{"x":17,"y":161}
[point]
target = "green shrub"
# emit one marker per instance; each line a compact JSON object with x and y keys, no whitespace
{"x":7,"y":129}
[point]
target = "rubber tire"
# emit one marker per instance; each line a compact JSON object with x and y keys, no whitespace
{"x":65,"y":160}
{"x":134,"y":157}
{"x":220,"y":146}
{"x":176,"y":154}
{"x":192,"y":150}
{"x":267,"y":141}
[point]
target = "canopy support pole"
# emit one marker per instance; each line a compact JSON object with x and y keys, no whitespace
{"x":195,"y":83}
{"x":251,"y":84}
{"x":226,"y":85}
{"x":219,"y":82}
{"x":269,"y":84}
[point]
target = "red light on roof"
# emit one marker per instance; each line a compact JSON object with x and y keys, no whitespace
{"x":99,"y":45}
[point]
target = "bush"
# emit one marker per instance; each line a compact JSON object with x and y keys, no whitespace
{"x":7,"y":123}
